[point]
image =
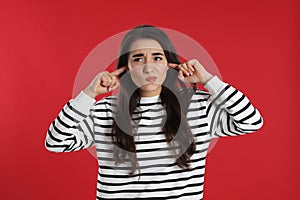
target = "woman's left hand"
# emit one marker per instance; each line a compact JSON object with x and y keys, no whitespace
{"x":192,"y":72}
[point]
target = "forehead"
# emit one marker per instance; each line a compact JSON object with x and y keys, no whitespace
{"x":145,"y":44}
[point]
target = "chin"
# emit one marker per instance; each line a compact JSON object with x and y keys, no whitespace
{"x":150,"y":88}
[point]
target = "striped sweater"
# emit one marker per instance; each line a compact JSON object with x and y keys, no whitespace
{"x":83,"y":122}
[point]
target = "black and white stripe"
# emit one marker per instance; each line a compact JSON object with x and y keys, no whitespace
{"x":226,"y":112}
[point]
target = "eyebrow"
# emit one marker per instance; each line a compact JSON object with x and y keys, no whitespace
{"x":153,"y":54}
{"x":158,"y":54}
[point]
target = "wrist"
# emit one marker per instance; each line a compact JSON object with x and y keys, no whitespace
{"x":89,"y":92}
{"x":206,"y":78}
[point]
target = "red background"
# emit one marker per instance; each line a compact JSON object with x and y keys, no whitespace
{"x":254,"y":44}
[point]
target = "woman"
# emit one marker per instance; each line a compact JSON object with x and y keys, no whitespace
{"x":152,"y":138}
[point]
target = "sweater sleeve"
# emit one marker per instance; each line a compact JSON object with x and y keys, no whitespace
{"x":229,"y":111}
{"x":72,"y":129}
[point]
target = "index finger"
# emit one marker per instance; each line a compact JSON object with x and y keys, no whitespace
{"x":173,"y":65}
{"x":119,"y":71}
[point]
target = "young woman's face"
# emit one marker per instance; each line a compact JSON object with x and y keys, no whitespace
{"x":148,"y":66}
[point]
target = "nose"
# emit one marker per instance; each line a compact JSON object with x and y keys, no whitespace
{"x":148,"y":59}
{"x":148,"y":68}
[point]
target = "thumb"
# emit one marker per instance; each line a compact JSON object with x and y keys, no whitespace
{"x":180,"y":76}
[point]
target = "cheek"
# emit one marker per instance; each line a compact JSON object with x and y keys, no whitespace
{"x":136,"y":76}
{"x":163,"y":74}
{"x":129,"y":65}
{"x":163,"y":69}
{"x":134,"y":66}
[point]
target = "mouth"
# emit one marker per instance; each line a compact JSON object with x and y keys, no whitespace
{"x":151,"y":79}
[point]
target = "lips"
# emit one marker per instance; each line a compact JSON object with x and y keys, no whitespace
{"x":151,"y":79}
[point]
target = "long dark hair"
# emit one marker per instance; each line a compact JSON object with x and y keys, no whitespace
{"x":175,"y":100}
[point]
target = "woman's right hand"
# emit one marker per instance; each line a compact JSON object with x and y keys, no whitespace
{"x":104,"y":82}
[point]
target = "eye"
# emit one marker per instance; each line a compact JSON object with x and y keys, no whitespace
{"x":137,"y":59}
{"x":158,"y":58}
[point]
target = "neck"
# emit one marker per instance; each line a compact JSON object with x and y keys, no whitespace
{"x":150,"y":93}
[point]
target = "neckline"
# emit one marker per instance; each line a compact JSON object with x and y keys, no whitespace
{"x":150,"y":99}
